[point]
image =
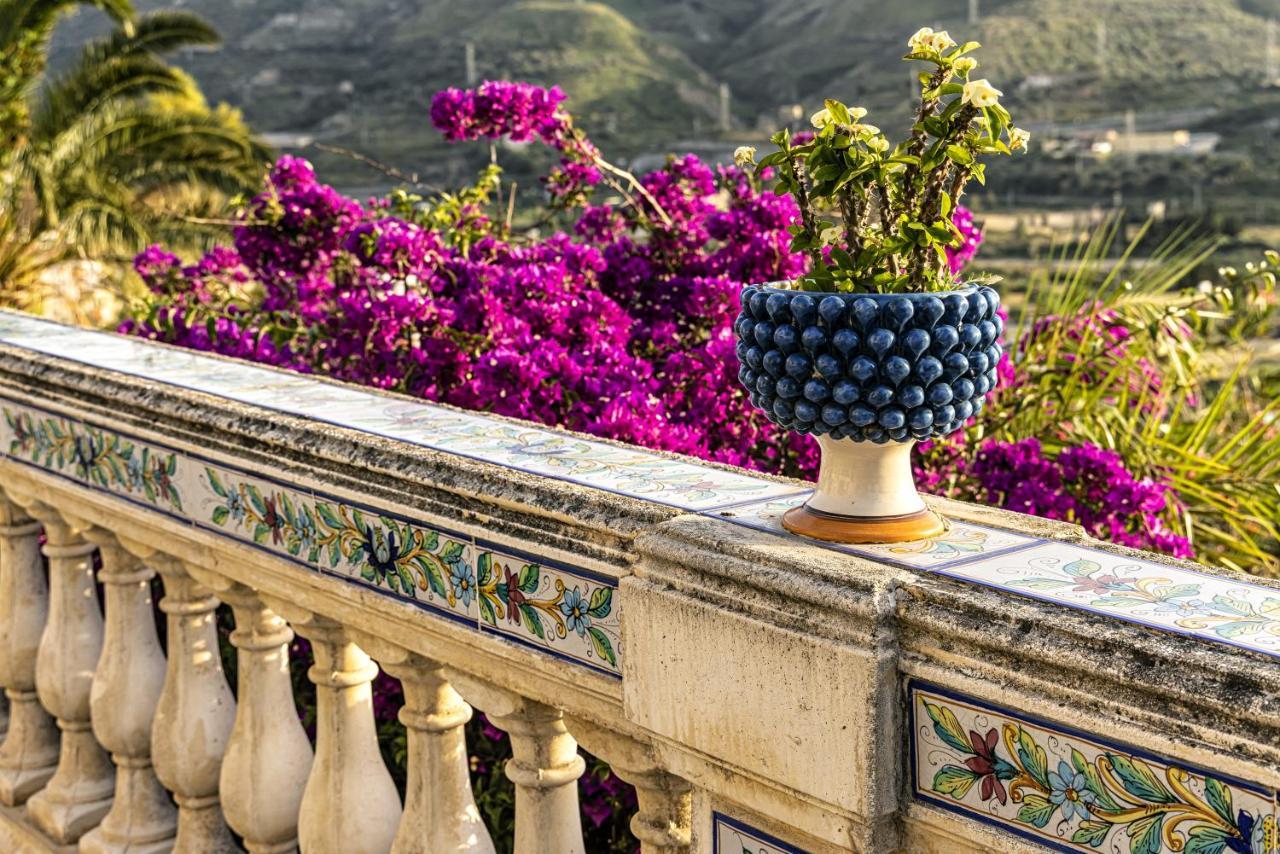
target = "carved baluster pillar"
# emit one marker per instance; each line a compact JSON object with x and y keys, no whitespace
{"x":126,"y":688}
{"x":544,"y":765}
{"x":268,"y":757}
{"x":350,"y":803}
{"x":195,"y":713}
{"x":439,"y":811}
{"x":30,"y":750}
{"x":664,"y":821}
{"x":79,"y":793}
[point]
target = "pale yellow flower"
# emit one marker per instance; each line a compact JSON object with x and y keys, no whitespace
{"x":981,"y":94}
{"x":1018,"y":138}
{"x":919,"y":41}
{"x":878,"y":143}
{"x":744,"y":155}
{"x":829,"y":235}
{"x":821,"y":119}
{"x":965,"y":64}
{"x":856,"y":113}
{"x":940,"y":41}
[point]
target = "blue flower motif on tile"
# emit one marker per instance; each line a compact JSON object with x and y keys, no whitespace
{"x":570,"y":613}
{"x":103,"y":458}
{"x":1074,"y":791}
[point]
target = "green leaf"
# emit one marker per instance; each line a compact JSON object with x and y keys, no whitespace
{"x":255,"y":498}
{"x":1144,"y":835}
{"x":1092,"y":780}
{"x":532,"y":621}
{"x":220,"y":515}
{"x":1139,"y":780}
{"x":406,"y":578}
{"x":954,"y":780}
{"x":1033,"y":758}
{"x":601,"y":602}
{"x":326,"y":514}
{"x":260,"y":532}
{"x":839,"y":111}
{"x":529,"y":576}
{"x":1082,"y":567}
{"x":948,"y":728}
{"x":1091,"y":833}
{"x":1206,"y":840}
{"x":1036,"y":810}
{"x":487,"y":613}
{"x":484,"y":568}
{"x":172,"y":466}
{"x":960,"y":155}
{"x":603,"y":648}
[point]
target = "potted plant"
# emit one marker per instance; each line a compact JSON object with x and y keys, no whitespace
{"x":878,"y":346}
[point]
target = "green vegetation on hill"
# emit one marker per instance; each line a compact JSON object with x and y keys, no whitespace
{"x":643,"y":75}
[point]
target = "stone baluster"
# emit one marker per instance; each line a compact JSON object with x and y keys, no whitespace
{"x":268,"y":758}
{"x":544,"y":765}
{"x":195,"y":713}
{"x":350,"y":803}
{"x":664,"y":821}
{"x":79,"y":793}
{"x":30,"y":750}
{"x":126,"y":688}
{"x":440,"y":811}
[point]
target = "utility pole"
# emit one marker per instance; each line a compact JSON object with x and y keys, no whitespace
{"x":1273,"y":73}
{"x":726,"y":117}
{"x":471,"y":63}
{"x":973,"y":12}
{"x":1100,"y":32}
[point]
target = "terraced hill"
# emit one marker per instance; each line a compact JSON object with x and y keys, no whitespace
{"x":643,"y":74}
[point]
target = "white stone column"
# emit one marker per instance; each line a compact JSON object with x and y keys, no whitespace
{"x":126,"y":688}
{"x":440,"y":812}
{"x":30,"y":750}
{"x":664,"y":821}
{"x":195,"y":713}
{"x":79,"y":793}
{"x":350,"y":803}
{"x":544,"y":765}
{"x":268,"y":758}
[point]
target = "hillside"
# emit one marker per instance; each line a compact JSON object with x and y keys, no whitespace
{"x":644,"y":74}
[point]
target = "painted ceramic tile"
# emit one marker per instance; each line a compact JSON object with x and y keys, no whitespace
{"x":731,"y":836}
{"x":568,"y":612}
{"x":380,"y":550}
{"x":634,"y":472}
{"x":1165,"y":597}
{"x":962,"y":542}
{"x":1076,"y":792}
{"x":102,"y":458}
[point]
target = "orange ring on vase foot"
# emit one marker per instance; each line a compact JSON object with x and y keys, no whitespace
{"x":864,"y":530}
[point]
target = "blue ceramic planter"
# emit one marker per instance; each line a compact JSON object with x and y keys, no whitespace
{"x":869,"y":367}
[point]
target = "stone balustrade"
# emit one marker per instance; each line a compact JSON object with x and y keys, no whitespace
{"x":1008,"y":686}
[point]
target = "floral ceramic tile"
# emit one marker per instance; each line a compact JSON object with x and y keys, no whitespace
{"x":962,"y":541}
{"x":391,"y":554}
{"x":568,"y":612}
{"x":630,"y":471}
{"x":1074,"y":791}
{"x":731,"y":836}
{"x":1154,"y":594}
{"x":141,"y":472}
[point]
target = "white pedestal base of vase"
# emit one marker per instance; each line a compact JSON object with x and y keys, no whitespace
{"x":866,"y":494}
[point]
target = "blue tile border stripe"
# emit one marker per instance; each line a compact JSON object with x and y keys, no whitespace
{"x":1165,"y":598}
{"x":723,"y":825}
{"x":1072,"y":790}
{"x":563,"y":611}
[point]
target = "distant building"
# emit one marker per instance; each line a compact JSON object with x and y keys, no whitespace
{"x":1174,"y":142}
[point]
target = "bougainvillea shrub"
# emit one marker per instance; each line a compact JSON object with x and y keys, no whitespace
{"x":619,"y":325}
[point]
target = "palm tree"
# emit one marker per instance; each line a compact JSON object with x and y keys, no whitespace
{"x":117,"y":151}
